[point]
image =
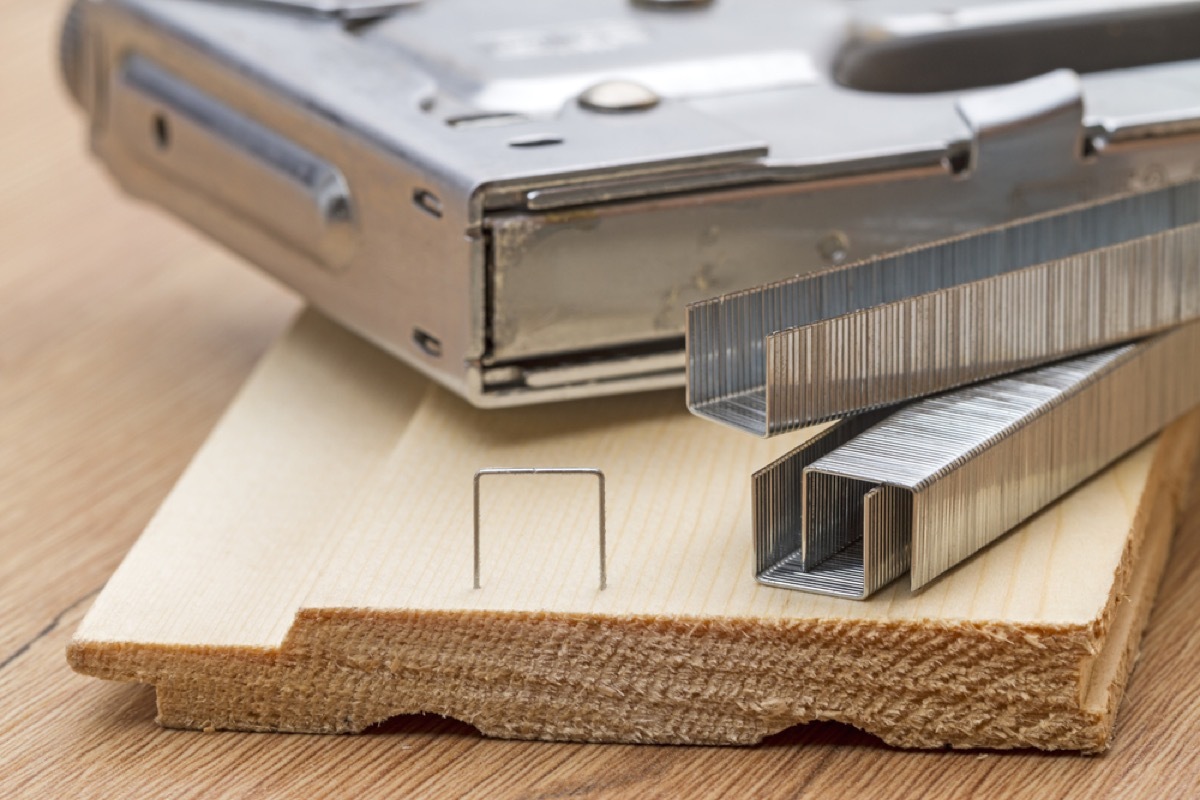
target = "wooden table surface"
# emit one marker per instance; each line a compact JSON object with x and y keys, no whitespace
{"x":122,"y":337}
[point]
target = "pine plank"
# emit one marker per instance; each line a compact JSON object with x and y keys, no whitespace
{"x":312,"y":572}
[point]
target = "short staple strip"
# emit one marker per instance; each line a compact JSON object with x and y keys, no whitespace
{"x":929,"y":485}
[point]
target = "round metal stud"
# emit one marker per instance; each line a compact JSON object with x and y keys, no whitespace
{"x":834,"y":247}
{"x":617,"y":97}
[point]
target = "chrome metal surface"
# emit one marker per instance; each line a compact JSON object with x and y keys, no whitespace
{"x":922,"y":321}
{"x":618,"y":97}
{"x":290,"y":193}
{"x":546,"y":471}
{"x":929,"y":485}
{"x":550,"y":251}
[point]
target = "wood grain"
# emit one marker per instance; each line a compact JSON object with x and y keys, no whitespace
{"x":122,"y":338}
{"x":312,"y":572}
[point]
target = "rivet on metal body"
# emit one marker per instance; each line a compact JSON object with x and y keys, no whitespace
{"x":618,"y":96}
{"x":545,"y":471}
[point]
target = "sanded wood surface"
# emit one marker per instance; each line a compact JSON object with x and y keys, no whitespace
{"x":312,"y":572}
{"x":123,"y":337}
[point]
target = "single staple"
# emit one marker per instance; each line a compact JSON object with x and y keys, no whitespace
{"x":546,"y":471}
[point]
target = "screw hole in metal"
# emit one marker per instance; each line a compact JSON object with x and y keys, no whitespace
{"x":429,"y":344}
{"x":338,"y":209}
{"x":958,"y":162}
{"x":162,"y":131}
{"x":428,"y":202}
{"x":1092,"y":147}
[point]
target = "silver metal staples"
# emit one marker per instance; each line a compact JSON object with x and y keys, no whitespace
{"x":925,"y":320}
{"x":929,"y":485}
{"x":546,"y":471}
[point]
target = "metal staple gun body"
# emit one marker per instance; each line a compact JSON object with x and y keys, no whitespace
{"x":520,"y":199}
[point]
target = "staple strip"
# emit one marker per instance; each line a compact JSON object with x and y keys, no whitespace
{"x":882,"y":331}
{"x":929,"y":485}
{"x":777,"y":506}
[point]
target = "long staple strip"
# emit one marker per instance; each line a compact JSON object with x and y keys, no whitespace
{"x":927,"y":486}
{"x":922,"y":321}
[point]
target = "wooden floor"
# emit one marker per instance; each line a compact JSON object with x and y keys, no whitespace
{"x":122,"y":338}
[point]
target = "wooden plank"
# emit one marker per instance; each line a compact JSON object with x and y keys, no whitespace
{"x":312,"y":572}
